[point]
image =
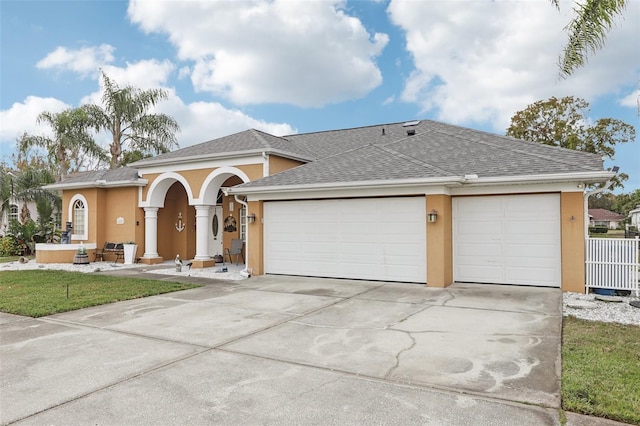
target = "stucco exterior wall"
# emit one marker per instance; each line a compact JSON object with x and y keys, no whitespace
{"x":113,"y":215}
{"x":572,"y":241}
{"x":255,"y":259}
{"x":439,"y":242}
{"x":279,"y":164}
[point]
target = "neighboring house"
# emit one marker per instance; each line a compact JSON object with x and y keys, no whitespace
{"x":14,"y":210}
{"x":604,"y":217}
{"x":421,"y":202}
{"x":634,"y":217}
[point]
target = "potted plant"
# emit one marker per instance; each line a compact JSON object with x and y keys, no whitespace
{"x":81,"y":257}
{"x":130,"y":249}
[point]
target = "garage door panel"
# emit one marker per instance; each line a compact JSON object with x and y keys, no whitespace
{"x":480,"y":228}
{"x":479,"y":250}
{"x":520,"y":244}
{"x":470,"y":274}
{"x":381,"y":239}
{"x":533,"y":275}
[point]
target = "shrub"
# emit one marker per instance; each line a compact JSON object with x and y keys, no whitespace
{"x":598,"y":230}
{"x":9,"y":246}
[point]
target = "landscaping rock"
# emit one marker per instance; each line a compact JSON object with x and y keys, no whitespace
{"x":614,"y":299}
{"x":581,"y":304}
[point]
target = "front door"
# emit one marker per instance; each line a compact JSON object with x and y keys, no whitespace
{"x":215,"y":231}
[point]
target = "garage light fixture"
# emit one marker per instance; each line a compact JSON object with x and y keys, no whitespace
{"x":251,"y":218}
{"x":432,"y":216}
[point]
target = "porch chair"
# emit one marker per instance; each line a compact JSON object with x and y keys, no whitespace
{"x":236,"y":248}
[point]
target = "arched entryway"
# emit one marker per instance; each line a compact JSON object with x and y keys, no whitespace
{"x":177,"y":222}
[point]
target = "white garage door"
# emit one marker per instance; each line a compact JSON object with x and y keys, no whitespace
{"x":512,"y":239}
{"x":371,"y":238}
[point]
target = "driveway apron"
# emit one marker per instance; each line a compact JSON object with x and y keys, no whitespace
{"x":290,"y":350}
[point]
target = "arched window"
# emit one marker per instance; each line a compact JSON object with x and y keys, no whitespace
{"x":79,"y":217}
{"x":14,"y":212}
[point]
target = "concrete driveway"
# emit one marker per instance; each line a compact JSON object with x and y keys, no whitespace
{"x":291,"y":350}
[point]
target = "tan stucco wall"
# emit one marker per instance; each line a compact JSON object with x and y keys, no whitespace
{"x":279,"y":164}
{"x":255,"y":231}
{"x":104,"y":207}
{"x":572,"y":241}
{"x":172,"y":242}
{"x":439,"y":242}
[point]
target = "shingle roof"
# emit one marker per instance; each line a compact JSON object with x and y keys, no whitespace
{"x":436,"y":150}
{"x":382,"y":152}
{"x":247,"y":141}
{"x":604,"y":214}
{"x":110,"y":175}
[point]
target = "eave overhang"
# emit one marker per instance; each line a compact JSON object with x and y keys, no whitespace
{"x":449,"y":181}
{"x":218,"y":156}
{"x":97,"y":184}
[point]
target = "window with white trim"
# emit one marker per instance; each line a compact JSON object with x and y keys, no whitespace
{"x":78,"y":215}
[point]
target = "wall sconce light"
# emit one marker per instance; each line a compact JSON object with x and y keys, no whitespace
{"x":432,"y":216}
{"x":251,"y":218}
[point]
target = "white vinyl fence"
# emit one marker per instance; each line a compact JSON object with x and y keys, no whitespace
{"x":613,"y":263}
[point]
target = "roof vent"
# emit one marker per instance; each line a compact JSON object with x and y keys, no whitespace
{"x":411,"y":123}
{"x":411,"y":132}
{"x":383,"y":131}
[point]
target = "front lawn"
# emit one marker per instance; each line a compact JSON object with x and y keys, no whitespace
{"x":38,"y":293}
{"x":601,"y":369}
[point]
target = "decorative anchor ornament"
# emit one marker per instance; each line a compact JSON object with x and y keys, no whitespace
{"x":180,"y":225}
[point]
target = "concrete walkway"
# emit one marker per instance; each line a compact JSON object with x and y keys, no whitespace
{"x":291,"y":350}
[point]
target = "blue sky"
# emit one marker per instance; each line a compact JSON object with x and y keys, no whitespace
{"x":301,"y":66}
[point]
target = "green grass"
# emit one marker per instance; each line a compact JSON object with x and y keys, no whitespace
{"x":39,"y":293}
{"x":601,"y":369}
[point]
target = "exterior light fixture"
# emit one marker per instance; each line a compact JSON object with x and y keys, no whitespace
{"x":251,"y":218}
{"x":432,"y":216}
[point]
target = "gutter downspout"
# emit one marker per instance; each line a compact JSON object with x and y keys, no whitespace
{"x":245,"y":272}
{"x":606,"y":186}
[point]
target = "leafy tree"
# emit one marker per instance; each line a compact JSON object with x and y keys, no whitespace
{"x":587,"y":31}
{"x":71,"y":146}
{"x":603,"y":200}
{"x":125,"y":115}
{"x":626,"y":202}
{"x":564,"y":123}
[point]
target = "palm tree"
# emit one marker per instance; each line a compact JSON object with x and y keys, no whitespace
{"x":71,"y":146}
{"x":587,"y":31}
{"x":125,"y":116}
{"x":25,"y":186}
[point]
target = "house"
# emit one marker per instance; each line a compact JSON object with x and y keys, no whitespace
{"x":18,"y":208}
{"x":416,"y":202}
{"x":634,"y":217}
{"x":606,"y":218}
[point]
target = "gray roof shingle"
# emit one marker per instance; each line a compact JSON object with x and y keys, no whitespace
{"x":382,"y":152}
{"x":436,"y":150}
{"x":121,"y":174}
{"x":247,"y":141}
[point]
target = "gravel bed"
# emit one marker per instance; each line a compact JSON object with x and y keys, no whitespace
{"x":231,"y":274}
{"x":585,"y":306}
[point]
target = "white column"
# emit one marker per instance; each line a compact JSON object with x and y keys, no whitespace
{"x":151,"y":232}
{"x":202,"y":233}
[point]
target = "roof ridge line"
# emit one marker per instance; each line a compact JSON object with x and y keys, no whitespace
{"x":522,"y":151}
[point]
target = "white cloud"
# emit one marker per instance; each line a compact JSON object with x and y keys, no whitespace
{"x":632,"y":100}
{"x":145,"y":74}
{"x":482,"y":61}
{"x":22,"y":117}
{"x":300,"y":53}
{"x":199,"y":121}
{"x":85,"y":60}
{"x":203,"y":121}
